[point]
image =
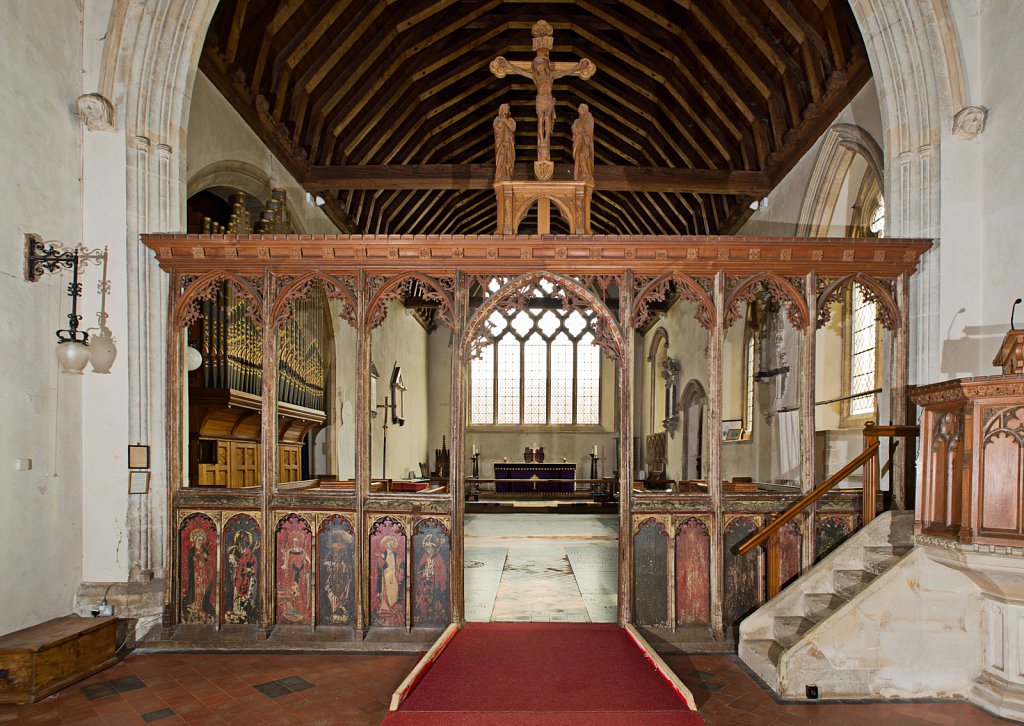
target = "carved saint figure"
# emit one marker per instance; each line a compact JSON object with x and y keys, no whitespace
{"x":390,"y":608}
{"x":504,"y":144}
{"x":583,"y":145}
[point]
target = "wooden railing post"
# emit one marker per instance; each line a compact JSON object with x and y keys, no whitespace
{"x":773,"y":565}
{"x":870,"y":497}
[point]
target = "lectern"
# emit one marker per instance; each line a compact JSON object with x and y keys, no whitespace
{"x":1011,"y":353}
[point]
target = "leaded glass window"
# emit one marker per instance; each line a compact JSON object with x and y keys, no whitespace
{"x":542,"y":368}
{"x":863,"y":352}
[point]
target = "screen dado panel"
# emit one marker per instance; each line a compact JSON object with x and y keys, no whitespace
{"x":714,"y":273}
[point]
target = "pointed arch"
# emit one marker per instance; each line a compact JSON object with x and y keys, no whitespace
{"x":843,"y":143}
{"x":438,"y":290}
{"x":335,"y":288}
{"x":605,"y":326}
{"x":888,"y":311}
{"x":186,"y":310}
{"x":781,"y":289}
{"x":688,"y":289}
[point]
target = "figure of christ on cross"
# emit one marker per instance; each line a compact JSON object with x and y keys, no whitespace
{"x":543,"y":72}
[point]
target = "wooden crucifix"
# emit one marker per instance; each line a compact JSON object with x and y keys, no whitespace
{"x":543,"y":72}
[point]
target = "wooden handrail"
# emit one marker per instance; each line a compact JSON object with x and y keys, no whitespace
{"x":808,"y":499}
{"x":903,"y":430}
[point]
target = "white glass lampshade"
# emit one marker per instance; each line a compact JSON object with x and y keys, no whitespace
{"x":72,"y":356}
{"x":193,"y":358}
{"x":103,"y":350}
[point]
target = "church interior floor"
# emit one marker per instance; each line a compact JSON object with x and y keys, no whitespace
{"x":541,"y":567}
{"x":313,"y":689}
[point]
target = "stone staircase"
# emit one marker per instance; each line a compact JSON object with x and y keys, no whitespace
{"x":821,"y":597}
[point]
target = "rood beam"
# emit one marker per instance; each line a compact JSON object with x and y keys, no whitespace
{"x":481,"y":176}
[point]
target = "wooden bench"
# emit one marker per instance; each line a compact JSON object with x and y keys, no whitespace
{"x":37,"y":661}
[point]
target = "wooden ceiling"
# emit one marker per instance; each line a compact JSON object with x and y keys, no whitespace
{"x":384,"y":107}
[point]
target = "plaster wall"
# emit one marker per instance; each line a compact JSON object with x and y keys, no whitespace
{"x":343,"y":435}
{"x":41,"y":538}
{"x":688,"y":345}
{"x":217,"y":135}
{"x":1001,"y":58}
{"x":401,"y":340}
{"x":780,"y":215}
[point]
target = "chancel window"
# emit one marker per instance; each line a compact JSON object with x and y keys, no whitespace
{"x":542,"y":369}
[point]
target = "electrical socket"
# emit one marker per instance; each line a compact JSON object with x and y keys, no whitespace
{"x":104,"y":610}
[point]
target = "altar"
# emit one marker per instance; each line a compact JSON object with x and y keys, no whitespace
{"x":528,"y":477}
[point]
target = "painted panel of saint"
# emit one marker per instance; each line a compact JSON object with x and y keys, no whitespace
{"x":650,"y":572}
{"x":431,"y":549}
{"x":387,"y":573}
{"x":790,"y":552}
{"x":197,"y":540}
{"x":693,"y":576}
{"x":241,"y":558}
{"x":337,"y":563}
{"x":832,"y":532}
{"x":294,"y":571}
{"x":742,"y":583}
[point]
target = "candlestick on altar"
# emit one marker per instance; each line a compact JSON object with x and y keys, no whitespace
{"x":593,"y":465}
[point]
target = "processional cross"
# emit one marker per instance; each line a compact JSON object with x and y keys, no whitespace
{"x":543,"y":72}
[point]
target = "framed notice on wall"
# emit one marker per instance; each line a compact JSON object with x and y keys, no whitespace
{"x":138,"y":482}
{"x":138,"y":457}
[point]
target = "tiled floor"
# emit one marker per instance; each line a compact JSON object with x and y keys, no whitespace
{"x":175,"y":688}
{"x":541,"y":567}
{"x":351,"y":690}
{"x":727,"y":695}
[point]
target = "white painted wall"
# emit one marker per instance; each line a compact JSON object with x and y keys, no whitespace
{"x":41,"y":150}
{"x":401,"y":339}
{"x":217,"y":134}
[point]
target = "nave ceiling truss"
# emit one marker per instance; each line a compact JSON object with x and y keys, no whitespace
{"x":384,"y":108}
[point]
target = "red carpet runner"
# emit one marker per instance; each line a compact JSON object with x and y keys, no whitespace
{"x":539,"y":674}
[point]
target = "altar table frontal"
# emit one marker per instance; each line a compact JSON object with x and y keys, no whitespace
{"x":529,"y":477}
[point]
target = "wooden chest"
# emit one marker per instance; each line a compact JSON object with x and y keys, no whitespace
{"x":37,"y":661}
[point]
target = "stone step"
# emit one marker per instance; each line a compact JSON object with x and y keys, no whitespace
{"x":789,"y":629}
{"x":849,"y":582}
{"x":819,"y":605}
{"x":879,"y":558}
{"x":767,"y":650}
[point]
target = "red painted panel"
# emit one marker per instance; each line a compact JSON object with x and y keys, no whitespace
{"x":693,"y":575}
{"x":198,"y":542}
{"x":790,"y":541}
{"x":294,"y":571}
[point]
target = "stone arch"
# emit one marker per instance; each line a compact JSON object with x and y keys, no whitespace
{"x":238,"y":175}
{"x":843,"y":142}
{"x":656,"y":384}
{"x":694,"y":395}
{"x":608,"y":337}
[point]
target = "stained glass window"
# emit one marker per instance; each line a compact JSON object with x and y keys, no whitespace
{"x":543,"y":367}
